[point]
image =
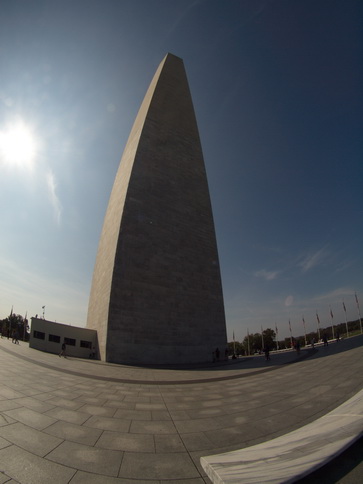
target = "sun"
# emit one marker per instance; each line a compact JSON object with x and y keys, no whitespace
{"x":18,"y":145}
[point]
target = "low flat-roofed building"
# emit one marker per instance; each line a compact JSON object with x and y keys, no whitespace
{"x":49,"y":336}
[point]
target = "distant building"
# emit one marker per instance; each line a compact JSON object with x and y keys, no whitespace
{"x":156,"y":295}
{"x":49,"y":336}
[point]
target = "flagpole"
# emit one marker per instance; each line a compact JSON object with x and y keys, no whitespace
{"x":318,"y":325}
{"x":332,"y":320}
{"x":306,"y":343}
{"x":290,"y":333}
{"x":360,"y":319}
{"x":248,"y":342}
{"x":346,"y":321}
{"x":263,"y":346}
{"x":277,"y":339}
{"x":25,"y":320}
{"x":9,"y":329}
{"x":234,"y":346}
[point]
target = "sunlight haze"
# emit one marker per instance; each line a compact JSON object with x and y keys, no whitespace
{"x":277,"y":91}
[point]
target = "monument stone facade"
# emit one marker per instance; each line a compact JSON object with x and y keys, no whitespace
{"x":156,"y":295}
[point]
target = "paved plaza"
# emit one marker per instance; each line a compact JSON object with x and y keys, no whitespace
{"x":83,"y":421}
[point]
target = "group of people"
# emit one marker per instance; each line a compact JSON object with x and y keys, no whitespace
{"x":217,"y":355}
{"x":14,"y":335}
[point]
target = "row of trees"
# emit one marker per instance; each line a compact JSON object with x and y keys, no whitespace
{"x":256,"y":343}
{"x":15,"y":324}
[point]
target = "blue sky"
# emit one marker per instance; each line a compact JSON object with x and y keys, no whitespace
{"x":277,"y":90}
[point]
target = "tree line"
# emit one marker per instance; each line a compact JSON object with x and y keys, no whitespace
{"x":257,"y":342}
{"x":15,"y":324}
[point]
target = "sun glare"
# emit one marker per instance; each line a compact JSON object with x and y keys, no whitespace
{"x":17,"y":145}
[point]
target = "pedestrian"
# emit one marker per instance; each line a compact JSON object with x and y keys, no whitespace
{"x":325,"y":340}
{"x":313,"y":343}
{"x":267,"y":353}
{"x":217,"y":354}
{"x":297,"y":347}
{"x":93,"y":353}
{"x":63,"y":352}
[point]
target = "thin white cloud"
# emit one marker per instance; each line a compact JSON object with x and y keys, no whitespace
{"x":56,"y":204}
{"x":336,"y":294}
{"x":313,"y":259}
{"x":289,"y":301}
{"x":267,"y":275}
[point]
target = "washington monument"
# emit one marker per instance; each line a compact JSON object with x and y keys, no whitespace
{"x":156,"y":295}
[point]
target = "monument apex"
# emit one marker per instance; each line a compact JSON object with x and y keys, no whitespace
{"x":156,"y":295}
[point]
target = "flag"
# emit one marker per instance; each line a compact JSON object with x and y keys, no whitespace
{"x":356,"y":298}
{"x":317,"y":317}
{"x":331,"y":313}
{"x":233,"y":335}
{"x":43,"y":307}
{"x":11,"y":312}
{"x":303,"y":321}
{"x":276,"y":329}
{"x":290,"y":325}
{"x":345,"y":309}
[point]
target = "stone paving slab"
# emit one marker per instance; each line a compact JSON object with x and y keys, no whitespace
{"x":126,"y":442}
{"x":26,"y":467}
{"x":74,"y":433}
{"x":29,"y":417}
{"x":29,"y":439}
{"x":88,"y":478}
{"x":113,"y":424}
{"x":108,"y":423}
{"x":158,"y":466}
{"x":87,"y":458}
{"x":5,"y":479}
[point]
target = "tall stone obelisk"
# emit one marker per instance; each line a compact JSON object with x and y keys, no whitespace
{"x":156,"y":295}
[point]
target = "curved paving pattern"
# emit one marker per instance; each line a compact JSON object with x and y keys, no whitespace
{"x":75,"y":421}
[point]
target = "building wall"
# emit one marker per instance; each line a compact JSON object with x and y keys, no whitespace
{"x":156,"y":294}
{"x":49,"y":336}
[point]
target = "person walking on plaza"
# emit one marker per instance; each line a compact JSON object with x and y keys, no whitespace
{"x":63,"y":352}
{"x":266,"y":350}
{"x":297,"y":347}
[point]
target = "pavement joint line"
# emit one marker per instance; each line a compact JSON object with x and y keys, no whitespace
{"x":302,"y":357}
